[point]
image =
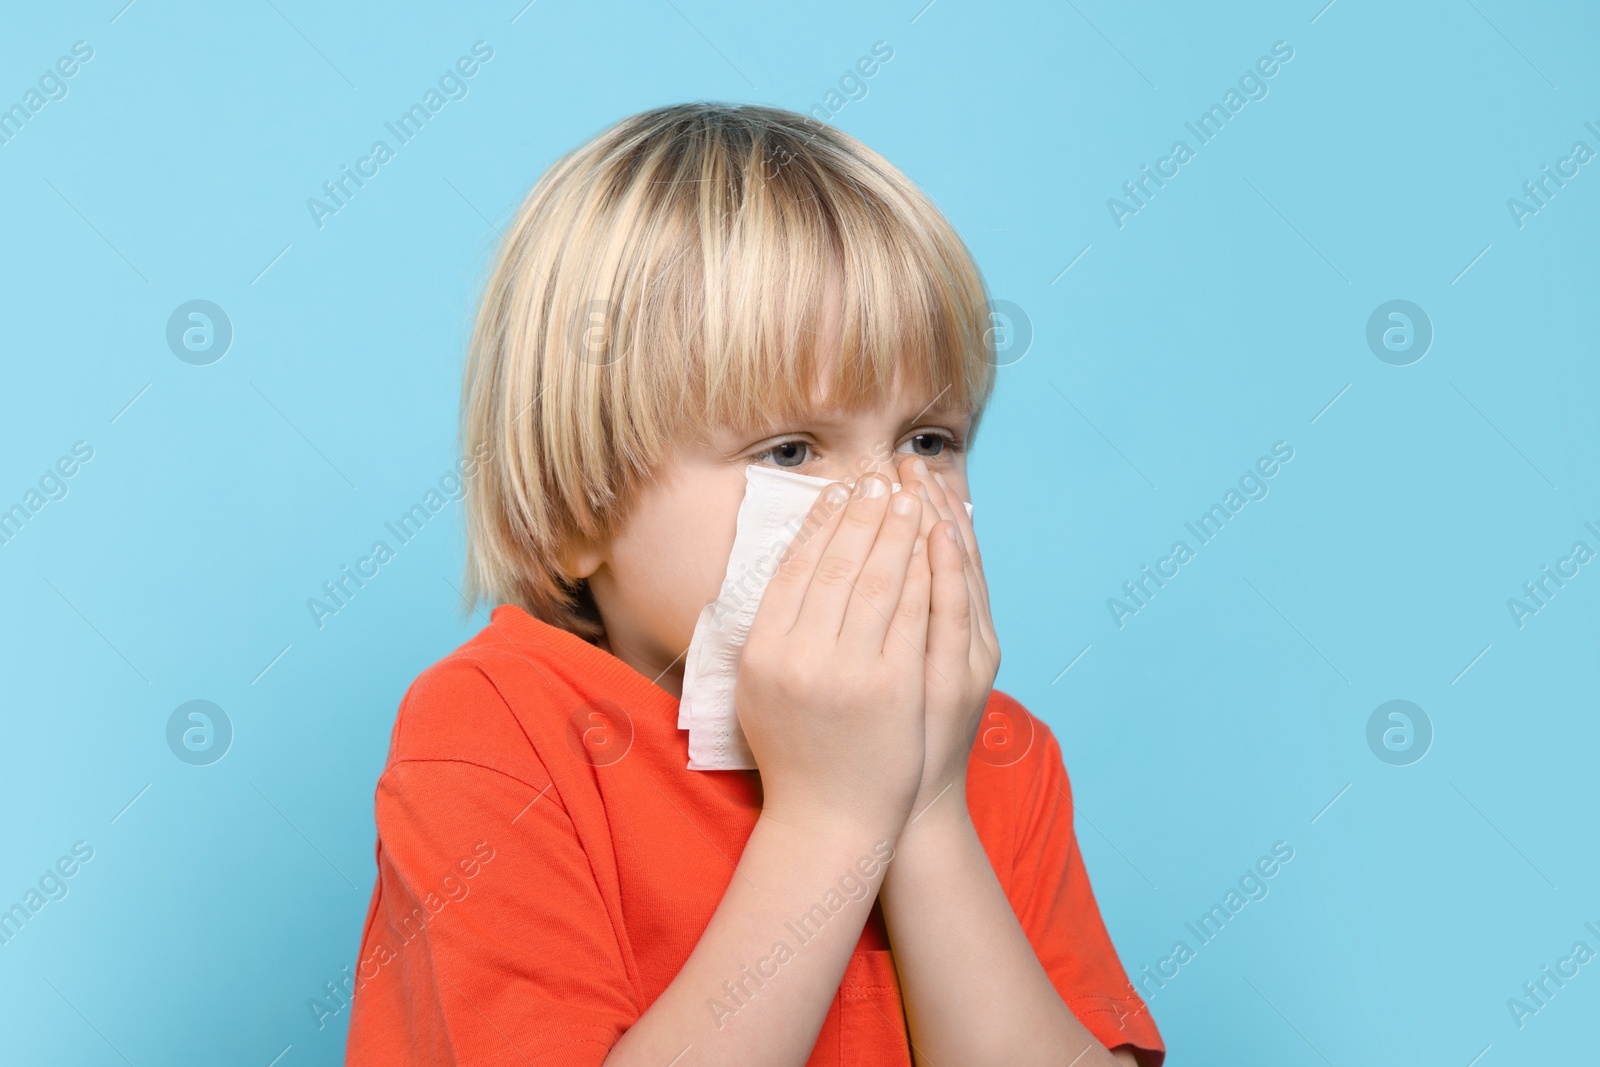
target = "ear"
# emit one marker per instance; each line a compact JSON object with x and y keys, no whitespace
{"x":581,"y":558}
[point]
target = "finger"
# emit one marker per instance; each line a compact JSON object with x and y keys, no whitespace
{"x":958,"y":514}
{"x":934,"y":489}
{"x":876,"y":592}
{"x":786,"y":590}
{"x":950,"y":607}
{"x":969,"y":540}
{"x":939,"y":500}
{"x":905,"y":642}
{"x":832,"y":582}
{"x":946,"y":505}
{"x":909,"y":479}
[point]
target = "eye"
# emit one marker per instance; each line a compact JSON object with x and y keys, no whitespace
{"x":784,"y":454}
{"x":930,"y":444}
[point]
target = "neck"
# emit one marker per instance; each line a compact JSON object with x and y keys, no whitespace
{"x":668,"y":674}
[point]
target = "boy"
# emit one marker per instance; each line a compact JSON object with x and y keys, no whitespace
{"x":700,"y":288}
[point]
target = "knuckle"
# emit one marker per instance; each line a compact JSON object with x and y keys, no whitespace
{"x":961,"y":609}
{"x":834,"y":570}
{"x":767,"y":672}
{"x":874,"y":585}
{"x":786,"y":674}
{"x":910,"y":609}
{"x":790,"y":568}
{"x":861,"y":514}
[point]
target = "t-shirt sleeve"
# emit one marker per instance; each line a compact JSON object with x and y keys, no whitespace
{"x":1055,"y":905}
{"x":487,"y":941}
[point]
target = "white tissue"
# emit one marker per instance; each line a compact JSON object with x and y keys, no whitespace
{"x":776,"y":503}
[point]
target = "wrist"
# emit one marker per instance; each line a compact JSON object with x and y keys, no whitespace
{"x":933,"y":851}
{"x":944,"y":807}
{"x":943,"y":827}
{"x":815,"y":828}
{"x":859,"y":849}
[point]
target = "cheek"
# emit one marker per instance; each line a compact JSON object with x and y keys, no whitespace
{"x":670,"y":562}
{"x":694,"y":559}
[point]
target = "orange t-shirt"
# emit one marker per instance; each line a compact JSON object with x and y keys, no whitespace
{"x":546,"y":864}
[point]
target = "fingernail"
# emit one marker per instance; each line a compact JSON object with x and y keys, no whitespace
{"x":950,"y":533}
{"x":916,"y":547}
{"x":876,"y":487}
{"x":903,"y":503}
{"x":920,"y":467}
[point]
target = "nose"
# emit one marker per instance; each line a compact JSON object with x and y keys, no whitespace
{"x":874,"y":463}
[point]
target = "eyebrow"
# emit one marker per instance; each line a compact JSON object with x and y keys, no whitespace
{"x":938,"y":406}
{"x":834,"y":416}
{"x":945,"y":408}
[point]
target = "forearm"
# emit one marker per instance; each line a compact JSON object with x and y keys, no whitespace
{"x":975,"y":993}
{"x":758,"y":985}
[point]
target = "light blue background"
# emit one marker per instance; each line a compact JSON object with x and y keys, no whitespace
{"x":1223,"y":317}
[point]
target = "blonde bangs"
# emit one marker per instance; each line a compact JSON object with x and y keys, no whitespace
{"x":668,"y":279}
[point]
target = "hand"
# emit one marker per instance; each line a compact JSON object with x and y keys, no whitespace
{"x":963,"y":653}
{"x":830,"y":687}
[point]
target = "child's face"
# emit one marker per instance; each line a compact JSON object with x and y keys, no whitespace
{"x":668,"y":562}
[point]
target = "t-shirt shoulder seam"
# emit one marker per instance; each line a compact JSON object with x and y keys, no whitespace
{"x":1104,"y":998}
{"x":465,"y":660}
{"x":549,"y":786}
{"x":447,"y":664}
{"x":467,"y":763}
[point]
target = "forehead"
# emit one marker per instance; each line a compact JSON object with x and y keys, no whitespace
{"x":902,"y":403}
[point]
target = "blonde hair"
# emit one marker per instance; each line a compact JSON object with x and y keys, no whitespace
{"x":666,"y":279}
